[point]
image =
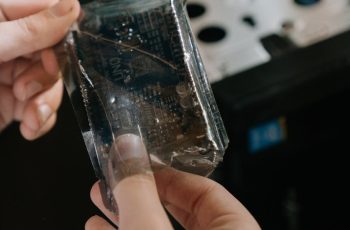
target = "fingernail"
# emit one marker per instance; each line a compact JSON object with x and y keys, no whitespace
{"x":31,"y":89}
{"x":128,"y":157}
{"x":61,"y":8}
{"x":44,"y":112}
{"x":130,"y":146}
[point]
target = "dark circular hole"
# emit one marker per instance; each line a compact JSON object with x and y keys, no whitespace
{"x":288,"y":25}
{"x":212,"y":34}
{"x":249,"y":20}
{"x":195,"y":10}
{"x":307,"y":2}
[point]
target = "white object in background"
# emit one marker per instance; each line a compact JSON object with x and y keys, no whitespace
{"x":241,"y":49}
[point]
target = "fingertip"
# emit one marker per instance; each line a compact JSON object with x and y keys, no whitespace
{"x":76,"y":9}
{"x":31,"y":134}
{"x":27,"y":132}
{"x":30,"y":122}
{"x":67,"y":12}
{"x":90,"y":223}
{"x":50,"y":123}
{"x":63,"y":8}
{"x":95,"y":194}
{"x":97,"y":223}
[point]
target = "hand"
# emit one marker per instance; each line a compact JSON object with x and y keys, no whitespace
{"x":30,"y":87}
{"x":197,"y":203}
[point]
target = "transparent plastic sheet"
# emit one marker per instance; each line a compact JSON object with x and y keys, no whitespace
{"x":132,"y":67}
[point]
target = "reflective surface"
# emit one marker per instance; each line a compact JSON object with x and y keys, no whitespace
{"x":137,"y":71}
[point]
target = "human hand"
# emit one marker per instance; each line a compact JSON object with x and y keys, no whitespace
{"x":30,"y":86}
{"x":197,"y":203}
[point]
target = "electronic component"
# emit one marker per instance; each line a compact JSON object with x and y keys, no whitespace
{"x":138,"y":72}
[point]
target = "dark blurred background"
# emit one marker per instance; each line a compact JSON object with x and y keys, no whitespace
{"x":46,"y":183}
{"x":289,"y":133}
{"x":286,"y":117}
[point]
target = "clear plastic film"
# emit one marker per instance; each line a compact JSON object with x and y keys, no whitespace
{"x":132,"y":68}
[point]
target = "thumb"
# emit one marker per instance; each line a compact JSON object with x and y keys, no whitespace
{"x":38,"y":31}
{"x":136,"y":192}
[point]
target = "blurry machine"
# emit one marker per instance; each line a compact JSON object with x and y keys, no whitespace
{"x":281,"y":75}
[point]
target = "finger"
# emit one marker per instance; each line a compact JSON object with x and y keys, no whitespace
{"x":200,"y":201}
{"x":19,"y":110}
{"x":96,"y":198}
{"x":136,"y":194}
{"x":49,"y":61}
{"x":137,"y":199}
{"x":20,"y":65}
{"x":6,"y":70}
{"x":40,"y":109}
{"x":6,"y":106}
{"x":14,"y":9}
{"x":38,"y":31}
{"x":37,"y":78}
{"x":29,"y":134}
{"x":180,"y":215}
{"x":9,"y":71}
{"x":97,"y":223}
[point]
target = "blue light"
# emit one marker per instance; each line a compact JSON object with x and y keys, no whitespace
{"x":267,"y":135}
{"x":307,"y":2}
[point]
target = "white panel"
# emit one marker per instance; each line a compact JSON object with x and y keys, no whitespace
{"x":241,"y":48}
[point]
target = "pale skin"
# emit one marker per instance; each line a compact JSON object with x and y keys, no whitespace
{"x":197,"y":203}
{"x":31,"y":91}
{"x":30,"y":84}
